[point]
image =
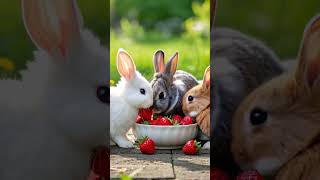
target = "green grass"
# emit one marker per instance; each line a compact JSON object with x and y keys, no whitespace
{"x":194,"y":54}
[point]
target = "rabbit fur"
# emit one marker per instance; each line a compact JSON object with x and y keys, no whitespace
{"x":169,"y":85}
{"x":281,"y":119}
{"x":51,"y":120}
{"x":127,"y":97}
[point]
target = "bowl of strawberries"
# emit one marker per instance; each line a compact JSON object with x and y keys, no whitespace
{"x":168,"y":132}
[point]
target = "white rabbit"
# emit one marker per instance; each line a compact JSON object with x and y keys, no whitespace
{"x":52,"y":120}
{"x":131,"y":93}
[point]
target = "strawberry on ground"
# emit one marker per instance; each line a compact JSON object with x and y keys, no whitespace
{"x":146,"y":114}
{"x":250,"y":175}
{"x":186,"y":120}
{"x":191,"y":147}
{"x":146,"y":145}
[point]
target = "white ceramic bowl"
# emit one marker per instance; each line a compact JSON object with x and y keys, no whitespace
{"x":168,"y":137}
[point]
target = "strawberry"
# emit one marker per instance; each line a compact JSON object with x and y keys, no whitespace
{"x":139,"y":119}
{"x":146,"y":114}
{"x":164,"y":121}
{"x":186,"y":120}
{"x":217,"y":174}
{"x":146,"y":145}
{"x":191,"y":147}
{"x":176,"y":118}
{"x":250,"y":175}
{"x":154,"y":122}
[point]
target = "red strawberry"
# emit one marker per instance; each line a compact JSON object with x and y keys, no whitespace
{"x":186,"y":120}
{"x":191,"y":147}
{"x":176,"y":119}
{"x":164,"y":122}
{"x":250,"y":175}
{"x":146,"y":145}
{"x":139,"y":119}
{"x":217,"y":174}
{"x":154,"y":122}
{"x":146,"y":114}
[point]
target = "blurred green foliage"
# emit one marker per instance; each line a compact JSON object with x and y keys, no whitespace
{"x":141,"y":38}
{"x":279,"y":23}
{"x":15,"y":43}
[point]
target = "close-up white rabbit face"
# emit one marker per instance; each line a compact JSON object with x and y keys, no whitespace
{"x":280,"y":119}
{"x":76,"y":88}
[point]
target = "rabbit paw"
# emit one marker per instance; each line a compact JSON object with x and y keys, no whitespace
{"x":206,"y":145}
{"x":112,"y":143}
{"x":123,"y":142}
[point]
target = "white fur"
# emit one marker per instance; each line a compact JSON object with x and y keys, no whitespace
{"x":193,"y":113}
{"x":51,"y":121}
{"x":125,"y":100}
{"x":206,"y":145}
{"x":267,"y":166}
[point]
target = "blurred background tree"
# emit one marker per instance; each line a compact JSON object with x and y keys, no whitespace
{"x":142,"y":27}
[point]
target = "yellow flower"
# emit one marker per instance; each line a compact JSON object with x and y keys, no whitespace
{"x":6,"y":64}
{"x":112,"y":82}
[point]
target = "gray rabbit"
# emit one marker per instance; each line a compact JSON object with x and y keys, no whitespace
{"x":241,"y":64}
{"x":169,"y":85}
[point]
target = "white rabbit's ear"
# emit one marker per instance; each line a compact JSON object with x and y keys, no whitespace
{"x":125,"y":64}
{"x":171,"y":65}
{"x":308,"y":72}
{"x":158,"y":61}
{"x":206,"y":79}
{"x":53,"y":25}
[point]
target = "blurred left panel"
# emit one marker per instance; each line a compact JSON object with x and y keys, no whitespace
{"x":54,"y":101}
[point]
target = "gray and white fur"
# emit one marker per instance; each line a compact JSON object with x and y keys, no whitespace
{"x":169,"y":85}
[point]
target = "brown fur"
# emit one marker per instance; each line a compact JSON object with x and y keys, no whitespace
{"x":200,"y":103}
{"x":291,"y":132}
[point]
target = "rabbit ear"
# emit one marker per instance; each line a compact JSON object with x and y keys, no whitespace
{"x":309,"y":56}
{"x":206,"y":79}
{"x":125,"y":64}
{"x":52,"y":25}
{"x":171,"y":65}
{"x":213,"y":5}
{"x":158,"y":61}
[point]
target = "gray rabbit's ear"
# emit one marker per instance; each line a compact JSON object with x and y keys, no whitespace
{"x":206,"y":79}
{"x":53,"y":26}
{"x":308,"y":70}
{"x":158,"y":61}
{"x":171,"y":65}
{"x":213,"y":6}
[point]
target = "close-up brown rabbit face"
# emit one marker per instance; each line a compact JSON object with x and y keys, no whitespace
{"x":281,"y":119}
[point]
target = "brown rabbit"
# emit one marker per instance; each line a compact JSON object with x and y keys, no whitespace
{"x":196,"y":103}
{"x":276,"y":129}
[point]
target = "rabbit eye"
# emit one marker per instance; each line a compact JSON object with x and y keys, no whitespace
{"x":103,"y":94}
{"x":142,"y":91}
{"x":190,"y":98}
{"x":161,"y":95}
{"x":258,"y":116}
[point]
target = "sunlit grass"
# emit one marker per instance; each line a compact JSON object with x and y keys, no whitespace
{"x":194,"y":54}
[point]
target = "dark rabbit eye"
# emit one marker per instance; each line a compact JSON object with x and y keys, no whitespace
{"x":142,"y":91}
{"x":190,"y":98}
{"x":258,"y":116}
{"x":161,"y":95}
{"x":103,"y":94}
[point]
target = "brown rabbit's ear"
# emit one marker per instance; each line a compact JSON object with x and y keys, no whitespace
{"x":125,"y":64}
{"x":308,"y":71}
{"x":206,"y":79}
{"x":213,"y":5}
{"x":171,"y":65}
{"x":158,"y":61}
